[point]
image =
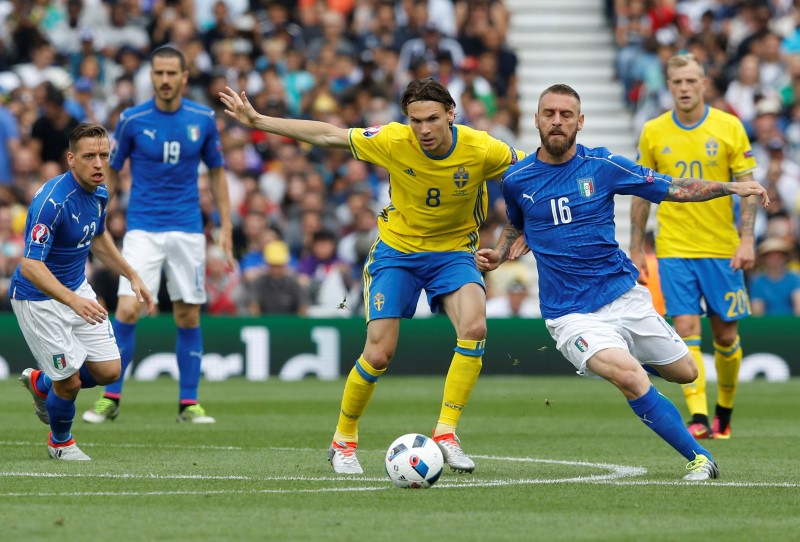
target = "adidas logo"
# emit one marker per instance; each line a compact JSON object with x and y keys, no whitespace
{"x":666,"y":150}
{"x":410,"y":172}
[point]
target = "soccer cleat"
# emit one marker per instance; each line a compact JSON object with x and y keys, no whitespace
{"x":65,"y":451}
{"x":104,"y":409}
{"x":701,"y":468}
{"x":700,"y":430}
{"x":720,"y":433}
{"x":342,"y":456}
{"x":28,"y":379}
{"x":453,"y":454}
{"x":195,"y":414}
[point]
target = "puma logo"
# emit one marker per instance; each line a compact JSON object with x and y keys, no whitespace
{"x":51,"y":200}
{"x":150,"y":133}
{"x":529,"y":197}
{"x":76,"y":217}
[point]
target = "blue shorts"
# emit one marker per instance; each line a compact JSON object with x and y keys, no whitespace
{"x":393,"y":280}
{"x":685,"y":281}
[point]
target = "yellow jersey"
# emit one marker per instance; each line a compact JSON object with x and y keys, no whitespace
{"x":714,"y":149}
{"x":437,"y":202}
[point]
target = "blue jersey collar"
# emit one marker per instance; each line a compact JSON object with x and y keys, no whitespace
{"x":693,"y":126}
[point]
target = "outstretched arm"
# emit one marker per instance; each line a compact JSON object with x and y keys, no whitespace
{"x":320,"y":134}
{"x":488,"y":259}
{"x":745,"y":255}
{"x":640,"y":210}
{"x":686,"y":190}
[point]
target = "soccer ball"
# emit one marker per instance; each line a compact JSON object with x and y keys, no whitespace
{"x":414,"y":461}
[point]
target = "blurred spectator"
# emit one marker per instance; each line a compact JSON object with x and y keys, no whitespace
{"x":278,"y":290}
{"x":515,"y":302}
{"x":9,"y":142}
{"x":775,"y":290}
{"x":322,"y":273}
{"x":223,"y":285}
{"x":50,"y":133}
{"x":426,"y":49}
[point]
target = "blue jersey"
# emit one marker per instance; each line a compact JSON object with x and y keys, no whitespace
{"x":567,"y":214}
{"x":62,"y":221}
{"x":165,"y":151}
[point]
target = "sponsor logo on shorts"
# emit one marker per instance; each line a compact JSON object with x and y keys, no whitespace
{"x":60,"y":361}
{"x":377,"y":301}
{"x":371,"y":131}
{"x":581,"y":344}
{"x":40,"y":234}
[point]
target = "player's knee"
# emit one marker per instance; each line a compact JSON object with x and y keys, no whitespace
{"x":105,"y":373}
{"x":128,"y":310}
{"x":474,"y":331}
{"x":378,"y":359}
{"x":726,"y":338}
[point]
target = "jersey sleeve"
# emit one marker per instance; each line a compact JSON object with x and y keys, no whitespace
{"x":742,"y":160}
{"x":44,"y":218}
{"x":513,"y":211}
{"x":499,"y":157}
{"x":371,"y":144}
{"x":212,"y":147}
{"x":121,"y":144}
{"x":635,"y":180}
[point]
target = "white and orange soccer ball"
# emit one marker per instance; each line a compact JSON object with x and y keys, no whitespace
{"x":414,"y":461}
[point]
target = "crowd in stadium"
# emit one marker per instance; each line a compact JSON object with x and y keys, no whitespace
{"x":305,"y":217}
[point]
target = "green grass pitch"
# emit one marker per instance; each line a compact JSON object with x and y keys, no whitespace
{"x":557,"y":458}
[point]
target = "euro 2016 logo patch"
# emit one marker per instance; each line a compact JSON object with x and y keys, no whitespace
{"x":60,"y":361}
{"x":377,"y":301}
{"x":193,"y":131}
{"x":586,"y":186}
{"x":371,"y":131}
{"x":40,"y":234}
{"x":581,"y":344}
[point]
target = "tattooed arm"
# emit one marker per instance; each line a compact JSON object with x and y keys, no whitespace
{"x":488,"y":259}
{"x":745,"y":255}
{"x":685,"y":190}
{"x":640,"y":211}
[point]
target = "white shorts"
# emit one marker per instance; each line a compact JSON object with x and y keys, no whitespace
{"x":629,"y":322}
{"x":59,"y":339}
{"x":182,"y":255}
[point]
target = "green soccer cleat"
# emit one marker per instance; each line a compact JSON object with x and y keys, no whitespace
{"x":195,"y":414}
{"x":104,"y":409}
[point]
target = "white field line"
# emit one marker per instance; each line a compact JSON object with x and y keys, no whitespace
{"x":615,"y":475}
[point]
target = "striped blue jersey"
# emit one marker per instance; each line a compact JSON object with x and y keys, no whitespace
{"x":567,"y":214}
{"x":62,"y":221}
{"x":165,"y":150}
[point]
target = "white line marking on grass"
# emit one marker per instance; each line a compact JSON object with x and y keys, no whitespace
{"x":136,"y":445}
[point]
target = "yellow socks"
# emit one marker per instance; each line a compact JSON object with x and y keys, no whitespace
{"x":357,"y":392}
{"x":727,"y":359}
{"x":461,"y":378}
{"x":695,"y":392}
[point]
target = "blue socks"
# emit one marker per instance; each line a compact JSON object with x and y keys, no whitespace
{"x":189,"y":351}
{"x":61,"y":412}
{"x":126,"y":340}
{"x":87,"y":379}
{"x":659,"y":414}
{"x":43,"y":383}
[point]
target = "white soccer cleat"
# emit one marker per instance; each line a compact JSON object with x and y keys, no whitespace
{"x":66,"y":451}
{"x":195,"y":414}
{"x":701,"y":468}
{"x":342,"y":456}
{"x":453,"y":454}
{"x":39,"y":402}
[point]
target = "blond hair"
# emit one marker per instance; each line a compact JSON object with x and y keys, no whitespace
{"x":681,"y":61}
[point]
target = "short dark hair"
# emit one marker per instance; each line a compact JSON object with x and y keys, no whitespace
{"x":426,"y":90}
{"x":167,"y":51}
{"x":86,"y":130}
{"x":560,"y":88}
